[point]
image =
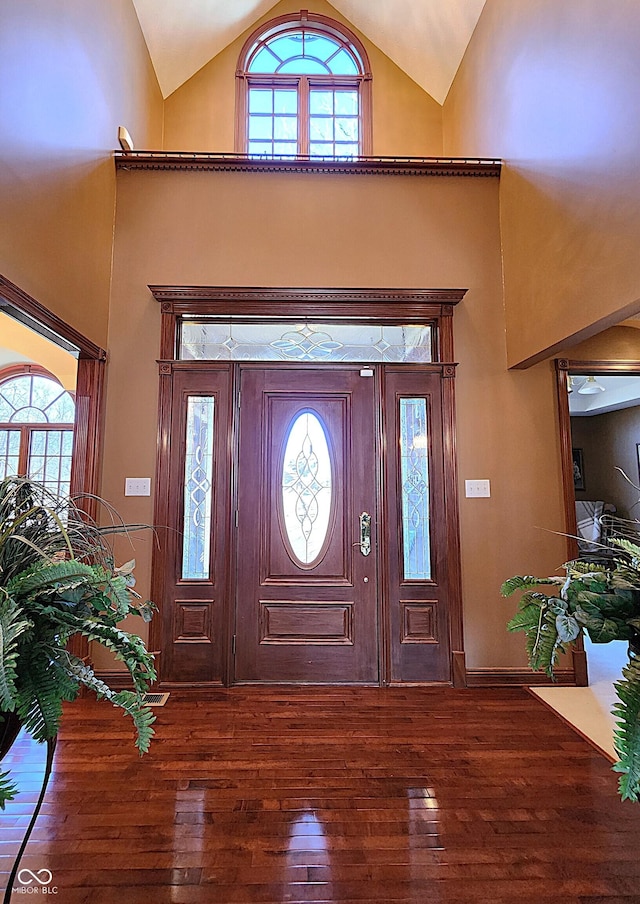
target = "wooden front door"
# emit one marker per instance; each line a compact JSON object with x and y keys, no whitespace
{"x":307,"y":544}
{"x":309,"y":515}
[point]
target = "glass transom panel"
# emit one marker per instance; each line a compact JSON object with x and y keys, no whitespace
{"x":306,"y":487}
{"x":304,"y":52}
{"x":318,"y":342}
{"x":414,"y":473}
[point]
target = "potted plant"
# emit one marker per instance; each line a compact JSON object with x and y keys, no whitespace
{"x":603,"y":600}
{"x":58,"y":579}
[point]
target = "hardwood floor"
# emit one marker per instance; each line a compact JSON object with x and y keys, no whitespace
{"x":329,"y":795}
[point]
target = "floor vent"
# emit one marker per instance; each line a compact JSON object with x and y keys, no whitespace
{"x":156,"y":699}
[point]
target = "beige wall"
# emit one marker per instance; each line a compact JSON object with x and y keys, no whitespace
{"x":322,"y":230}
{"x":554,"y":89}
{"x":200,"y":115}
{"x":70,"y":74}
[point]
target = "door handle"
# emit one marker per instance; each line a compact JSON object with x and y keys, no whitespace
{"x":365,"y":533}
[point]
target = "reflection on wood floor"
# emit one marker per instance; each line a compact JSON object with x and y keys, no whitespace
{"x":329,"y":795}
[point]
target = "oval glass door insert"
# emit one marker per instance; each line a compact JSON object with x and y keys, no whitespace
{"x":306,"y":487}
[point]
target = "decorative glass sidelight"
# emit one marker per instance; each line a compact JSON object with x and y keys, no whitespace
{"x":414,"y":471}
{"x":306,"y":487}
{"x":366,"y":343}
{"x":198,"y":488}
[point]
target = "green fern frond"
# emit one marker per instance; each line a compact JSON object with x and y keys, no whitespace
{"x":12,"y":625}
{"x":42,"y":689}
{"x":543,"y":643}
{"x":7,"y":789}
{"x":526,"y":582}
{"x":49,"y":576}
{"x":525,"y":620}
{"x":627,"y":735}
{"x":142,"y":716}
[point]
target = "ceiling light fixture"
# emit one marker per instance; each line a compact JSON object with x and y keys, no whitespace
{"x":590,"y":387}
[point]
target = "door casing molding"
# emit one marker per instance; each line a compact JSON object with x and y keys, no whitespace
{"x":405,"y":305}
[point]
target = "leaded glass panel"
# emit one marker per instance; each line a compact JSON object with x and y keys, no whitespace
{"x":366,"y":343}
{"x":33,"y":399}
{"x":414,"y":475}
{"x":198,"y":488}
{"x":306,"y":487}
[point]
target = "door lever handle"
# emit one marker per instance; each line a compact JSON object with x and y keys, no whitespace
{"x":365,"y":533}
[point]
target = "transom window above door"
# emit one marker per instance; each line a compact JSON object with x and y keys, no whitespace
{"x":304,"y":90}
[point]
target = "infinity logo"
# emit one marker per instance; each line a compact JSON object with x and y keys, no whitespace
{"x":26,"y":877}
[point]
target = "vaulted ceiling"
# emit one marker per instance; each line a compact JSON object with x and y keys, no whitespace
{"x":425,"y":38}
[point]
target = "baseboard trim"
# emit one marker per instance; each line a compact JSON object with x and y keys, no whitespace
{"x":518,"y":678}
{"x":118,"y":679}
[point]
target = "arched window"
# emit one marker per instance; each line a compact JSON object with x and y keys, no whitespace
{"x":304,"y":88}
{"x":36,"y":428}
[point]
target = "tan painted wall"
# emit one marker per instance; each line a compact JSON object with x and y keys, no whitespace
{"x":554,"y":89}
{"x":200,"y":115}
{"x":282,"y":229}
{"x":71,"y":73}
{"x":19,"y":344}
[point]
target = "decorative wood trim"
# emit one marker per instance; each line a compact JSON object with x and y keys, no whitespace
{"x":452,"y":516}
{"x":39,"y":316}
{"x":517,"y":678}
{"x":568,"y":492}
{"x":604,"y":367}
{"x":389,"y":305}
{"x":458,"y":669}
{"x":579,"y":658}
{"x":361,"y":166}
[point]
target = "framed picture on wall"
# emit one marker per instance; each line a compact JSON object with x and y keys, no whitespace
{"x":578,"y":468}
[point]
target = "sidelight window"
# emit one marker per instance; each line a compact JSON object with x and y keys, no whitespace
{"x":414,"y":476}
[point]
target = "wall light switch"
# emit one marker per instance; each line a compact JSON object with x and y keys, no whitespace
{"x":474,"y":489}
{"x":137,"y":486}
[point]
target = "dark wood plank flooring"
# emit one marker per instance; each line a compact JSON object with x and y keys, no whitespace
{"x":351,"y":795}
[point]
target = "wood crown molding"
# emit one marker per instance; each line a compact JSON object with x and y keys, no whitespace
{"x":382,"y":304}
{"x":367,"y":166}
{"x":613,"y":367}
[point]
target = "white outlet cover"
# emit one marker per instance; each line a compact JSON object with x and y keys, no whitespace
{"x":137,"y":486}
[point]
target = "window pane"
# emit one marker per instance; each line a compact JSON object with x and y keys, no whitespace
{"x":198,"y":477}
{"x":285,"y":101}
{"x":261,"y":147}
{"x":264,"y":61}
{"x":303,"y":66}
{"x":320,"y":129}
{"x":9,"y":453}
{"x":306,"y":487}
{"x":285,"y":128}
{"x":260,"y":127}
{"x":319,"y":46}
{"x":288,"y":148}
{"x":29,"y":416}
{"x":287,"y":46}
{"x":273,"y":341}
{"x":346,"y":150}
{"x":321,"y":102}
{"x":346,"y":103}
{"x":321,"y":150}
{"x":30,"y":399}
{"x":50,"y":459}
{"x":346,"y":129}
{"x":261,"y":100}
{"x":414,"y":473}
{"x":343,"y":64}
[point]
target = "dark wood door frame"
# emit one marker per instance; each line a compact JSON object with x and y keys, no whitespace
{"x":356,"y":305}
{"x":564,"y":368}
{"x":89,"y":398}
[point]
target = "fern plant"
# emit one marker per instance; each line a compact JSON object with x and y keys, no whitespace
{"x":57,"y":580}
{"x":602,"y":600}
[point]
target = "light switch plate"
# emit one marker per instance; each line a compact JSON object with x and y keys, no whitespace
{"x":137,"y":486}
{"x":475,"y":489}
